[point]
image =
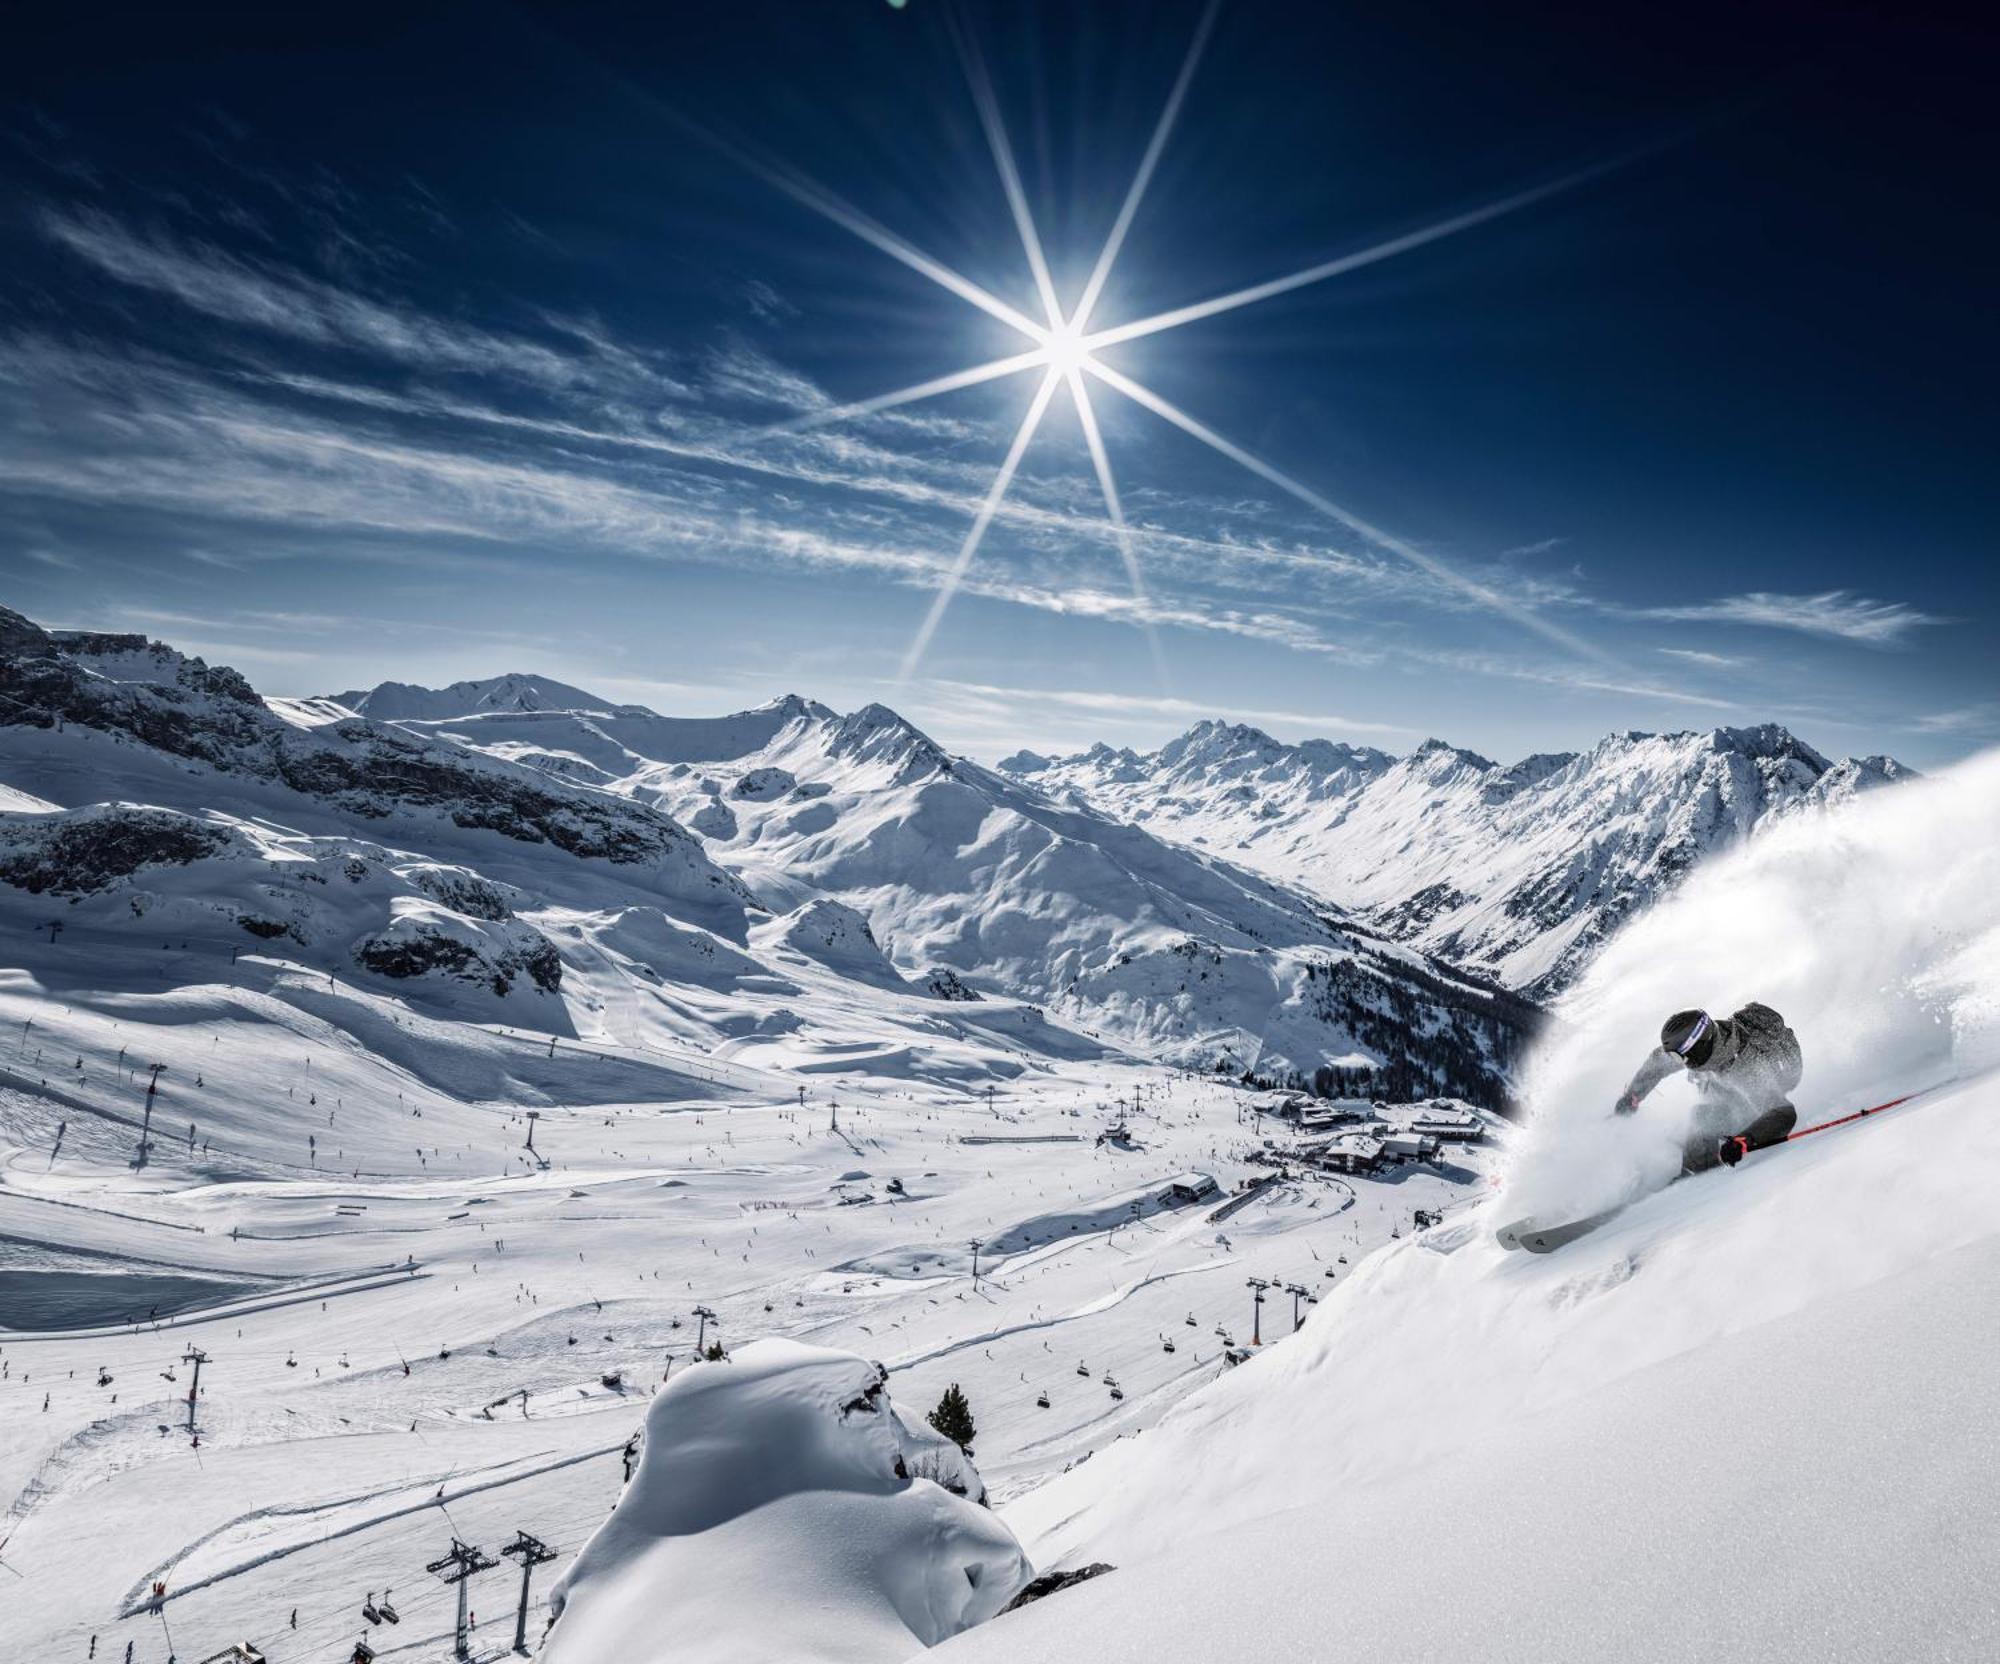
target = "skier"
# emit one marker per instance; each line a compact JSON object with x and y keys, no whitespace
{"x":1744,"y":1068}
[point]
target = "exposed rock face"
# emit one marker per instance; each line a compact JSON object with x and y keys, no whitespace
{"x":1050,"y":1583}
{"x":426,"y":949}
{"x":944,"y":983}
{"x":86,"y":852}
{"x":144,"y":691}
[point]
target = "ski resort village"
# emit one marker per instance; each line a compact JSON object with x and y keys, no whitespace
{"x":999,"y":831}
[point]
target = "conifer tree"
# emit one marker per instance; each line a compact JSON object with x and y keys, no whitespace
{"x":953,"y":1417}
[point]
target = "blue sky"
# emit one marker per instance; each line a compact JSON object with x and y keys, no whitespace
{"x":365,"y":345}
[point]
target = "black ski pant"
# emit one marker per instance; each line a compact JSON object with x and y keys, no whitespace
{"x":1703,"y":1150}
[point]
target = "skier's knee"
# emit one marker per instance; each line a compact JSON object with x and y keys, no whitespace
{"x":1774,"y":1126}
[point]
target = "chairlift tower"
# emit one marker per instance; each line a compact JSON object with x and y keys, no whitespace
{"x":146,"y":1126}
{"x":1300,"y":1293}
{"x":1257,"y":1285}
{"x":196,"y":1357}
{"x":461,"y":1563}
{"x":532,"y":1552}
{"x":701,"y":1336}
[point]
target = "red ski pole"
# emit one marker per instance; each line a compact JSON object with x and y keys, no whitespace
{"x":1859,"y":1114}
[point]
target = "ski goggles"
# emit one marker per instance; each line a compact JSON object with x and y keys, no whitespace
{"x":1694,"y":1036}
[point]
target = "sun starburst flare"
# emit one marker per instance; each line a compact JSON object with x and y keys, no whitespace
{"x":1064,"y":349}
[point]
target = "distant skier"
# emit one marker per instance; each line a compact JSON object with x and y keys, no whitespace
{"x":1744,"y":1069}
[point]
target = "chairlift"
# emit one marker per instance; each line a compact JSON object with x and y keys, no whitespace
{"x":1042,"y":1400}
{"x":1081,"y":1369}
{"x":1166,"y":1346}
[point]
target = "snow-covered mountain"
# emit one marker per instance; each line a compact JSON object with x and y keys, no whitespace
{"x":960,"y":873}
{"x":748,"y":883}
{"x":394,"y":701}
{"x":1519,"y":871}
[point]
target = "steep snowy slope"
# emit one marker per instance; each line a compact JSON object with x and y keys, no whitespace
{"x":962,"y":872}
{"x":1519,"y":871}
{"x":1750,"y":1417}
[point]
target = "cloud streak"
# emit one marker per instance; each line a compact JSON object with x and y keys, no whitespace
{"x":234,"y":290}
{"x":1834,"y":614}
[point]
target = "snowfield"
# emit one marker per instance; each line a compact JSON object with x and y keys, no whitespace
{"x":433,"y":1069}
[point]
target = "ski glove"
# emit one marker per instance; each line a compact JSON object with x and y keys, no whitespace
{"x":1626,"y":1105}
{"x":1733,"y":1150}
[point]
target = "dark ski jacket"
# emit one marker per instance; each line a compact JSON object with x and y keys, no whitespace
{"x":1754,"y":1065}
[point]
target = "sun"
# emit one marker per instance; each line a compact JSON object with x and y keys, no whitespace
{"x":1067,"y":351}
{"x":1064,"y":345}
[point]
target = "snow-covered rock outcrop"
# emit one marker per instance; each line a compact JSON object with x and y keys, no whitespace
{"x":783,"y":1508}
{"x":838,"y":937}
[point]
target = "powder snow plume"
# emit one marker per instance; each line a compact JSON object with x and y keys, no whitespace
{"x":1874,"y":928}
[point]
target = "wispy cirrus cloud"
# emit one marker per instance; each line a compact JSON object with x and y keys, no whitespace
{"x":232,"y":289}
{"x":1836,"y":614}
{"x":1965,"y":719}
{"x":1164,"y":707}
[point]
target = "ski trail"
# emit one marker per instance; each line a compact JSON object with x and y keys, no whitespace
{"x":139,"y":1598}
{"x":1117,"y":1297}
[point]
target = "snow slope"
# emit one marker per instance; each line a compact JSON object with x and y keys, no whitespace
{"x":1521,"y":871}
{"x":1747,"y":1418}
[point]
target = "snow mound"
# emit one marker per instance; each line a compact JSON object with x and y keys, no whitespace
{"x":781,"y":1511}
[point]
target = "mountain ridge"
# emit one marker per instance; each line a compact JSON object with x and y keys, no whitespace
{"x":1515,"y":870}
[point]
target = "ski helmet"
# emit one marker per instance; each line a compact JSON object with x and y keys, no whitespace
{"x":1689,"y":1035}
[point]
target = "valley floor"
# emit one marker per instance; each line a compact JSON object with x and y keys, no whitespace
{"x":459,"y":1343}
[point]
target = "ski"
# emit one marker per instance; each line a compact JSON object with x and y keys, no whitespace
{"x":1545,"y":1239}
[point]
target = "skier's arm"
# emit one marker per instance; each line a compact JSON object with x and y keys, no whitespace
{"x":1659,"y":1064}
